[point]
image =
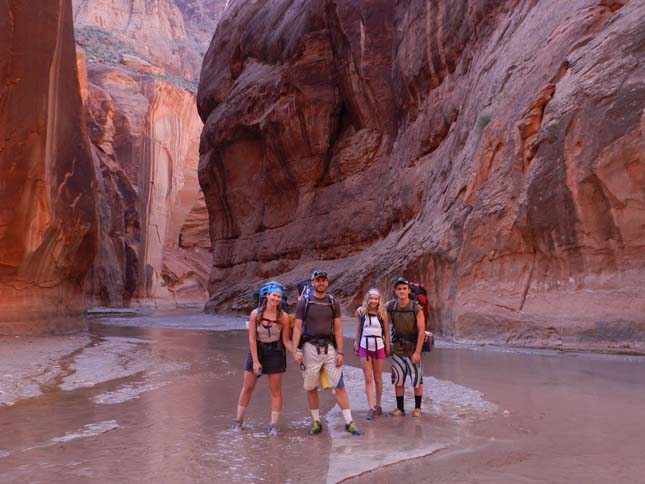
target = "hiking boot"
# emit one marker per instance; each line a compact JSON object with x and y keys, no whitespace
{"x":237,"y":426}
{"x":397,"y":412}
{"x":416,"y":412}
{"x":379,"y":410}
{"x":316,"y":427}
{"x":353,"y":429}
{"x":371,"y":413}
{"x":273,"y":431}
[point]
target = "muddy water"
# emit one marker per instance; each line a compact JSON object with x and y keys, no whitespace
{"x":490,"y":416}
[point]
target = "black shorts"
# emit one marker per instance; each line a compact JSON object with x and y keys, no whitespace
{"x":272,"y":357}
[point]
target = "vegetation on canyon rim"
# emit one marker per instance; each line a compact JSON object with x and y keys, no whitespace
{"x":104,"y":48}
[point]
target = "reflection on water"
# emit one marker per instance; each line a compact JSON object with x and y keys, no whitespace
{"x":169,"y":421}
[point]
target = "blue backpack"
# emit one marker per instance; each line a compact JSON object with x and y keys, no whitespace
{"x":267,"y":287}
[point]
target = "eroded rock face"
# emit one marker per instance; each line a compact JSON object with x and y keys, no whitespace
{"x":145,"y":134}
{"x":48,"y":222}
{"x":492,"y":150}
{"x":172,"y":34}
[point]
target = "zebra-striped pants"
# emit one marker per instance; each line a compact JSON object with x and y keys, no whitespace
{"x":403,"y":369}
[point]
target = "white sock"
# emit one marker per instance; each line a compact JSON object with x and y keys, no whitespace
{"x":240,"y":413}
{"x":275,"y":416}
{"x":347,"y":415}
{"x":315,"y":414}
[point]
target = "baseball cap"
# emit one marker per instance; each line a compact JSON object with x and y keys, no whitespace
{"x":401,"y":280}
{"x":318,"y":274}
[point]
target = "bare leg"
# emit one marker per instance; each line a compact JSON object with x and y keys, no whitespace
{"x":275,"y":387}
{"x":248,"y":385}
{"x":369,"y":381}
{"x":342,"y":399}
{"x":313,"y":399}
{"x":378,"y":379}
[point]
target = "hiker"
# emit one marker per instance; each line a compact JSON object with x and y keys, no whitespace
{"x":268,"y":343}
{"x":372,"y":344}
{"x":408,"y":334}
{"x":318,"y":337}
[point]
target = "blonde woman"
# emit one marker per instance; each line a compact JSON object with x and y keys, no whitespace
{"x":268,"y":342}
{"x":372,"y":345}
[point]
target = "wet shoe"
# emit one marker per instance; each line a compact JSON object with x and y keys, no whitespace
{"x":416,"y":412}
{"x":273,"y":431}
{"x":379,"y":410}
{"x":397,"y":412}
{"x":353,"y":429}
{"x":371,"y":413}
{"x":237,"y":426}
{"x":316,"y":427}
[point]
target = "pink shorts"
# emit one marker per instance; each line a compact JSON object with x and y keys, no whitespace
{"x":374,"y":355}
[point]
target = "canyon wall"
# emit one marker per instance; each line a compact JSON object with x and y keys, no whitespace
{"x":173,"y":34}
{"x":492,"y":150}
{"x":146,"y":134}
{"x":48,"y":220}
{"x":141,"y":59}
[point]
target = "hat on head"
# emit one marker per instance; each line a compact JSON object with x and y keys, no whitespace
{"x":318,"y":275}
{"x":401,"y":280}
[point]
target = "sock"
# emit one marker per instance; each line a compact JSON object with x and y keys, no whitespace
{"x":240,"y":413}
{"x":417,"y":401}
{"x":399,"y":403}
{"x":347,"y":415}
{"x":275,"y":416}
{"x":315,"y":414}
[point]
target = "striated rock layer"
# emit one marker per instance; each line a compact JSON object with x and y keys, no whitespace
{"x":48,"y":222}
{"x":492,"y":150}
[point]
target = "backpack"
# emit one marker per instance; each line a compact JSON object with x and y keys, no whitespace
{"x":419,"y":293}
{"x":306,"y":290}
{"x":428,"y":344}
{"x":362,"y":324}
{"x":260,"y":295}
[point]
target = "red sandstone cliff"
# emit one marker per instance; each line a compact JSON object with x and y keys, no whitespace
{"x":48,"y":221}
{"x":492,"y":150}
{"x":145,"y":133}
{"x":141,"y":59}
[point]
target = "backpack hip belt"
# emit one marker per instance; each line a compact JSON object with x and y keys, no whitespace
{"x":321,"y":343}
{"x":375,"y":337}
{"x":403,"y":337}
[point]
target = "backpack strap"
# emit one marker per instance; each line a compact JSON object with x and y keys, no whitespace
{"x":332,"y":305}
{"x":394,"y":308}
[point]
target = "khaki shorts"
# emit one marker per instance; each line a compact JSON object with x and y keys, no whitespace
{"x":315,"y":362}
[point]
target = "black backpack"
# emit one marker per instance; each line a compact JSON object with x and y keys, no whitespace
{"x":305,"y":290}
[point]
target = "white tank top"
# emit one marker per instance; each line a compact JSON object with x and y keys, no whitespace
{"x":372,"y":339}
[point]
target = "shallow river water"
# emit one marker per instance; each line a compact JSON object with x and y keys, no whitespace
{"x":490,"y":416}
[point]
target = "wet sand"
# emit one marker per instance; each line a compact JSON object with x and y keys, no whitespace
{"x":148,"y":401}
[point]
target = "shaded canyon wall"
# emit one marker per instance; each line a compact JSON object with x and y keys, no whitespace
{"x":48,"y":220}
{"x":492,"y":150}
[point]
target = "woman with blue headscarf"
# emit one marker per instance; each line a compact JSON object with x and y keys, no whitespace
{"x":269,"y":340}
